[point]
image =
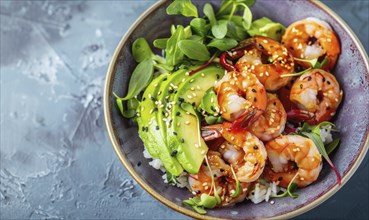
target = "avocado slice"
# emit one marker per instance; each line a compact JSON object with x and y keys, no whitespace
{"x":167,"y":91}
{"x":149,"y":129}
{"x":188,"y":144}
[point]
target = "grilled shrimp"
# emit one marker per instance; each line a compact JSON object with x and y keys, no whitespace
{"x":290,"y":156}
{"x":251,"y":166}
{"x":240,"y":95}
{"x":318,"y":93}
{"x":268,"y":60}
{"x":271,"y":123}
{"x":224,"y":182}
{"x":312,"y":38}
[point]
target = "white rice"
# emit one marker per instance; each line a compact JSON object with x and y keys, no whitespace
{"x":326,"y":134}
{"x":181,"y":181}
{"x":263,"y":191}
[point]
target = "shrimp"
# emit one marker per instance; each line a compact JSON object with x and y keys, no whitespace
{"x":251,"y":164}
{"x":225,"y":185}
{"x":312,"y":38}
{"x":268,"y":60}
{"x":317,"y":92}
{"x":290,"y":156}
{"x":239,"y":96}
{"x":271,"y":123}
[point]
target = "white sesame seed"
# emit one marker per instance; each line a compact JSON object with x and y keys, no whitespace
{"x":189,"y":96}
{"x":187,"y":122}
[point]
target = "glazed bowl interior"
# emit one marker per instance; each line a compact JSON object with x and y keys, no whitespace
{"x":351,"y":71}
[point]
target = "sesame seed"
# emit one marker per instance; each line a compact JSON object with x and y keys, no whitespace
{"x":187,"y":73}
{"x":202,"y":74}
{"x":272,"y":202}
{"x":192,"y":89}
{"x":187,"y":122}
{"x":178,"y":124}
{"x":265,"y":41}
{"x":202,"y":152}
{"x":183,"y":80}
{"x":198,"y":87}
{"x":189,"y":96}
{"x":192,"y":80}
{"x":266,"y":73}
{"x":197,"y":146}
{"x":261,"y":74}
{"x":194,"y":94}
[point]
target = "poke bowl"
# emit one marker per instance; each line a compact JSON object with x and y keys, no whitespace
{"x":351,"y":71}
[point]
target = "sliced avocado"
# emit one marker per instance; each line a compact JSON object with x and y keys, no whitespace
{"x":166,"y":95}
{"x":188,"y":144}
{"x":149,"y":130}
{"x":267,"y":28}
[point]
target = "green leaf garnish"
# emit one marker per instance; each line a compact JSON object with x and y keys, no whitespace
{"x":209,"y":13}
{"x":208,"y":201}
{"x":132,"y":105}
{"x":332,"y":146}
{"x":141,"y":50}
{"x":194,"y":50}
{"x":238,"y":185}
{"x":219,"y":29}
{"x":223,"y":44}
{"x":296,"y":74}
{"x":313,"y":132}
{"x":291,"y":188}
{"x":313,"y":62}
{"x":173,"y":54}
{"x":182,"y":7}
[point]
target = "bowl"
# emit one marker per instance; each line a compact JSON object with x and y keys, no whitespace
{"x":352,"y":71}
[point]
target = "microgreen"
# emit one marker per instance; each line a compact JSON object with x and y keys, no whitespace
{"x":199,"y":26}
{"x":194,"y":50}
{"x":160,"y":43}
{"x":209,"y":13}
{"x":223,"y":44}
{"x":219,"y":29}
{"x":173,"y":54}
{"x":313,"y":133}
{"x":132,"y":105}
{"x":238,"y":185}
{"x":182,"y":7}
{"x":171,"y":179}
{"x":332,"y":146}
{"x":313,"y":62}
{"x":296,"y":74}
{"x":291,"y":188}
{"x":141,"y":50}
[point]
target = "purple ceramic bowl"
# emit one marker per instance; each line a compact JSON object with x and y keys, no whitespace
{"x":352,"y":72}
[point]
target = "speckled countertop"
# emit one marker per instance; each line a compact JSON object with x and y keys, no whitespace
{"x":56,"y":159}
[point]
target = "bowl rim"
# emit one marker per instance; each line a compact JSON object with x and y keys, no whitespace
{"x":124,"y":160}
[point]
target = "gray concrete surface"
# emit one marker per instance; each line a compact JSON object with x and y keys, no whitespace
{"x":56,"y":159}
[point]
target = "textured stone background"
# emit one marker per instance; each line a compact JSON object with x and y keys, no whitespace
{"x":56,"y":159}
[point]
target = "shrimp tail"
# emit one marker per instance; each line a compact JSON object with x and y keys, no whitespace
{"x":298,"y":115}
{"x":211,"y":132}
{"x":245,"y":120}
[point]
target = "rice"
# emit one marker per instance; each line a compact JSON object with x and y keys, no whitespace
{"x":156,"y":163}
{"x":326,"y":134}
{"x":181,"y":181}
{"x":263,"y":191}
